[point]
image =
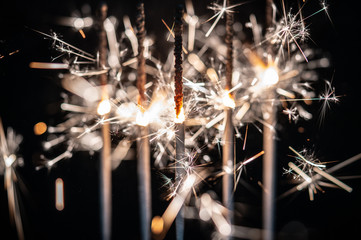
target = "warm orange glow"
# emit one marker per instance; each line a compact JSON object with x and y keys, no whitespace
{"x":104,"y":107}
{"x":157,"y":225}
{"x":82,"y":33}
{"x":268,"y":72}
{"x":254,"y":59}
{"x":40,"y":128}
{"x":181,"y":117}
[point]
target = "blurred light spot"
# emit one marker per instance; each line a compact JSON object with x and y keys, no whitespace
{"x":104,"y":107}
{"x":79,"y":23}
{"x":301,"y":130}
{"x":40,"y":128}
{"x":225,"y":229}
{"x":270,"y":76}
{"x":157,"y":225}
{"x":59,"y":194}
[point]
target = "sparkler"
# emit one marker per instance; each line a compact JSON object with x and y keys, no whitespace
{"x":270,"y":77}
{"x":103,"y":110}
{"x":143,"y":141}
{"x":228,"y":135}
{"x":269,"y":169}
{"x":178,"y":99}
{"x":9,"y":161}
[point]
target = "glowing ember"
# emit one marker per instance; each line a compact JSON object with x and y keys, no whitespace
{"x":104,"y":107}
{"x":180,"y":117}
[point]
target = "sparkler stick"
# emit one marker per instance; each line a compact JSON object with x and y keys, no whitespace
{"x":105,"y":166}
{"x":143,"y":151}
{"x":228,"y":135}
{"x":178,"y":98}
{"x":269,"y":159}
{"x":269,"y":172}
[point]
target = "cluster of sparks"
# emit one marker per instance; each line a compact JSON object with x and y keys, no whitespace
{"x":9,"y":161}
{"x":277,"y":62}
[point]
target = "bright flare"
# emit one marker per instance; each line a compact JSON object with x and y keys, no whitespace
{"x":228,"y":100}
{"x":181,"y":117}
{"x":270,"y":76}
{"x":142,"y":118}
{"x":104,"y":107}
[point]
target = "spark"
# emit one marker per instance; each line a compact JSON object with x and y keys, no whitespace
{"x":312,"y":181}
{"x":327,"y":97}
{"x":172,"y":33}
{"x":291,"y":113}
{"x":241,"y":165}
{"x":220,"y":11}
{"x":65,"y":47}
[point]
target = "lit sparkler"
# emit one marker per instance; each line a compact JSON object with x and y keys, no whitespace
{"x":178,"y":100}
{"x":9,"y":145}
{"x":143,"y":149}
{"x":228,"y":159}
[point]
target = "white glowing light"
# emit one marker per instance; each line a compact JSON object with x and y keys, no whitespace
{"x":270,"y":76}
{"x":228,"y":101}
{"x":104,"y":107}
{"x":10,"y":160}
{"x":127,"y":110}
{"x":188,"y":183}
{"x":79,"y":23}
{"x":142,"y":118}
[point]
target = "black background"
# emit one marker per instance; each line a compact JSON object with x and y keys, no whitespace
{"x":28,"y":96}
